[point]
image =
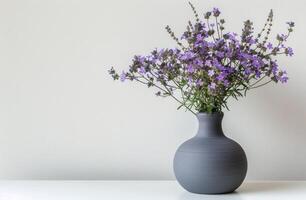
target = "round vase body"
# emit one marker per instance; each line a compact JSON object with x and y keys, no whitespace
{"x":210,"y":163}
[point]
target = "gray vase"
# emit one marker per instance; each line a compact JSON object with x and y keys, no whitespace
{"x":210,"y":162}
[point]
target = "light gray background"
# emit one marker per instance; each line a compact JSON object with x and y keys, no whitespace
{"x":62,"y":116}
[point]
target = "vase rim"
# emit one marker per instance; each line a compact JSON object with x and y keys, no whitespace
{"x":210,"y":114}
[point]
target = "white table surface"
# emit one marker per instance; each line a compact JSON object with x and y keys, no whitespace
{"x":142,"y":190}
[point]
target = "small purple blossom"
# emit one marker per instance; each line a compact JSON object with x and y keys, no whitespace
{"x":211,"y":72}
{"x":226,"y":83}
{"x":210,"y":44}
{"x":160,"y":52}
{"x":270,"y":46}
{"x":256,"y":63}
{"x":289,"y":51}
{"x":217,"y":64}
{"x":291,"y":24}
{"x":229,"y":53}
{"x":212,"y":86}
{"x":247,"y":71}
{"x":199,"y":83}
{"x":142,"y":70}
{"x":123,"y":76}
{"x":187,"y":55}
{"x":220,"y":54}
{"x":190,"y":68}
{"x":184,"y":36}
{"x":198,"y":62}
{"x":216,"y":12}
{"x":257,"y":74}
{"x":252,"y":41}
{"x":200,"y":38}
{"x":140,"y":59}
{"x":152,"y":59}
{"x":208,"y":63}
{"x":274,"y":67}
{"x":221,"y":76}
{"x":282,"y":77}
{"x":232,"y":37}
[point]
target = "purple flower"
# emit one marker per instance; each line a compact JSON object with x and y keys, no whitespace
{"x":140,"y":59}
{"x":252,"y":41}
{"x":212,"y":86}
{"x":142,"y":70}
{"x":220,"y":54}
{"x":184,"y":36}
{"x":243,"y":55}
{"x":190,"y":69}
{"x":221,"y":76}
{"x":247,"y":71}
{"x":200,"y":38}
{"x":208,"y":62}
{"x":151,"y":59}
{"x":226,"y":83}
{"x":176,"y":51}
{"x":282,"y":77}
{"x":289,"y":51}
{"x":257,"y":74}
{"x":244,"y":63}
{"x":291,"y":24}
{"x":256,"y":63}
{"x":187,"y":55}
{"x":123,"y":76}
{"x":270,"y":46}
{"x":229,"y":53}
{"x":199,"y":82}
{"x":232,"y":37}
{"x":160,"y":53}
{"x":211,"y":72}
{"x":218,"y":65}
{"x":198,"y":61}
{"x":274,"y":68}
{"x":216,"y":12}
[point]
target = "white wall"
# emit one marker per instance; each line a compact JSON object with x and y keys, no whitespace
{"x":62,"y":116}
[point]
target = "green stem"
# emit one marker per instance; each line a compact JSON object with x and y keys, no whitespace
{"x":217,"y":25}
{"x":166,"y":90}
{"x":261,"y":85}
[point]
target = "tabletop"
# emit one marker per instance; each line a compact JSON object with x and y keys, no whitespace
{"x":143,"y":190}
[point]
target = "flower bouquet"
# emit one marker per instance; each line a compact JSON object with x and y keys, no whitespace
{"x":210,"y":65}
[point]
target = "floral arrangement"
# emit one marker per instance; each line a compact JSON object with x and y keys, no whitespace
{"x":211,"y":64}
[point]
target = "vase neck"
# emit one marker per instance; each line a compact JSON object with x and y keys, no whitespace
{"x":210,"y":125}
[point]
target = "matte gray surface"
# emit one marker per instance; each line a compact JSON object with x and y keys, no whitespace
{"x":210,"y":163}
